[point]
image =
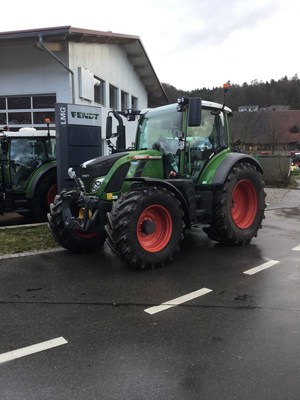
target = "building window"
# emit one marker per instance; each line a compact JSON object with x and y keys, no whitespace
{"x":134,"y":103}
{"x":17,"y":118}
{"x":18,"y":103}
{"x":2,"y":103}
{"x":29,"y":110}
{"x":3,"y":120}
{"x":39,"y":117}
{"x":113,"y":97}
{"x":99,"y":91}
{"x":43,"y":101}
{"x":124,"y":100}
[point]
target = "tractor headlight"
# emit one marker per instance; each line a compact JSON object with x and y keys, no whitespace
{"x":96,"y":184}
{"x":71,"y":173}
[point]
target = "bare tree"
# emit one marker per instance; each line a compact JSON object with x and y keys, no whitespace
{"x":246,"y":127}
{"x":273,"y":127}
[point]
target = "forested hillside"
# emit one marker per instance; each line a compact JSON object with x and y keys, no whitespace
{"x":263,"y":94}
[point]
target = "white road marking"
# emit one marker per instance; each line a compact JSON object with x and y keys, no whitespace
{"x":177,"y":301}
{"x":297,"y":248}
{"x":25,"y":351}
{"x":261,"y":267}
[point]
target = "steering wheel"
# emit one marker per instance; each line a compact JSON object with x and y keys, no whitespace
{"x":158,"y":146}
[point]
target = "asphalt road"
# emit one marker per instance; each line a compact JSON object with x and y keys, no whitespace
{"x":227,"y":331}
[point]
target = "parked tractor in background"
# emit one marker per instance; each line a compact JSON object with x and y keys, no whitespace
{"x":28,"y":180}
{"x":295,"y":162}
{"x":183,"y":172}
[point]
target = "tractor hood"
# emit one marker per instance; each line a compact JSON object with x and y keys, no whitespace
{"x":97,"y":167}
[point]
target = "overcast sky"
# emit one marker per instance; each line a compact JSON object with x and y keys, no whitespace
{"x":191,"y":43}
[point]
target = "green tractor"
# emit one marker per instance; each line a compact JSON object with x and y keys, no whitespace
{"x":28,"y":178}
{"x":183,"y":172}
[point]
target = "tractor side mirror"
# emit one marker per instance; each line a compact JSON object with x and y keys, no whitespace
{"x":108,"y":127}
{"x":121,"y":142}
{"x":195,"y":111}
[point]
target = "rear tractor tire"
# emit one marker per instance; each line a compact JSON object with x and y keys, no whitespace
{"x":74,"y":240}
{"x":145,"y":227}
{"x":238,"y":207}
{"x":44,"y":195}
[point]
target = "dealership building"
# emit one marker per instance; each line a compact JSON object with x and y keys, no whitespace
{"x":64,"y":65}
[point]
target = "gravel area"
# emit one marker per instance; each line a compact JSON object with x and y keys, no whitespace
{"x":283,"y":196}
{"x":275,"y":195}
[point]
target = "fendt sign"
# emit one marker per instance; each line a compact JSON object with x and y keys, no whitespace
{"x":83,"y":115}
{"x":74,"y":114}
{"x":78,"y":135}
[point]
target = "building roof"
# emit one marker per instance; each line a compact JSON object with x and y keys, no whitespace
{"x":131,"y":44}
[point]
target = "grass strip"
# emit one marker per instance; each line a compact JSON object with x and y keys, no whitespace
{"x":22,"y":239}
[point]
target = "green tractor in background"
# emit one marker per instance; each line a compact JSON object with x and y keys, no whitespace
{"x":183,"y":172}
{"x":28,"y":177}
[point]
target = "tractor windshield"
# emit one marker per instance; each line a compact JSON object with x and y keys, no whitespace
{"x":26,"y":155}
{"x":158,"y":129}
{"x":161,"y":126}
{"x":211,"y":134}
{"x":206,"y":139}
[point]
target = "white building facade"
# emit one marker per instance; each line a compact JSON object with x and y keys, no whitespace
{"x":69,"y":65}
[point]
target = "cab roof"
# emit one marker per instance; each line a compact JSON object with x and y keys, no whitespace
{"x":28,"y":132}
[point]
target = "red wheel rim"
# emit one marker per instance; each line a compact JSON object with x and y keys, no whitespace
{"x":52,"y":192}
{"x":154,"y":228}
{"x":84,"y":235}
{"x":244,"y":204}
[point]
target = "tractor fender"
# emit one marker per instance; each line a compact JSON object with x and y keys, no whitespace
{"x":172,"y":188}
{"x":232,"y":159}
{"x":37,"y":177}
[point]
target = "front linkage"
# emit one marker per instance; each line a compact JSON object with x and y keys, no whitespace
{"x":76,"y":220}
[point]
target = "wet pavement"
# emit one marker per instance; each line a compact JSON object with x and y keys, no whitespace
{"x":12,"y":219}
{"x":239,"y":340}
{"x":275,"y":197}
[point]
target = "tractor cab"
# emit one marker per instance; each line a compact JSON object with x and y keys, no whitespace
{"x":187,"y":143}
{"x":23,"y":152}
{"x":25,"y":157}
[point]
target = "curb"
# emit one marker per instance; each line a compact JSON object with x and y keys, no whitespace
{"x":23,"y":226}
{"x":32,"y":253}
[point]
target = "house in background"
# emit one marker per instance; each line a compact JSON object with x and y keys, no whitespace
{"x":248,"y":108}
{"x":267,"y":131}
{"x":42,"y":67}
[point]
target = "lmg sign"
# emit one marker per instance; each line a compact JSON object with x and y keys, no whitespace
{"x":78,"y":137}
{"x":62,"y":112}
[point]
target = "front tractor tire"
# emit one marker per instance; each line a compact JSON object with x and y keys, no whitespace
{"x":145,"y":227}
{"x":238,"y":206}
{"x":76,"y":241}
